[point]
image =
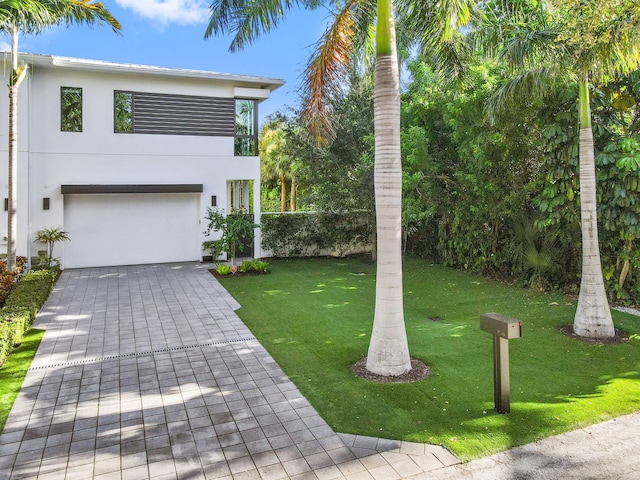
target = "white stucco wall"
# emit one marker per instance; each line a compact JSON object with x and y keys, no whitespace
{"x":50,"y":158}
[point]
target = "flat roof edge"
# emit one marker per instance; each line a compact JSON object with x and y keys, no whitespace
{"x":101,"y":65}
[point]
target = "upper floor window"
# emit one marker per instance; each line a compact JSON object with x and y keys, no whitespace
{"x":70,"y":109}
{"x":246,"y":136}
{"x":123,"y":112}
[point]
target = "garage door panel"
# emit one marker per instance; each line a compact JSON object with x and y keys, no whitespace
{"x":127,"y":229}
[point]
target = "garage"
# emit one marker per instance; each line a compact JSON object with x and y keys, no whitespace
{"x":114,"y":225}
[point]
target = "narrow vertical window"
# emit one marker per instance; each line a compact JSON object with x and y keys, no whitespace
{"x":123,"y":112}
{"x":246,"y":137}
{"x":70,"y":109}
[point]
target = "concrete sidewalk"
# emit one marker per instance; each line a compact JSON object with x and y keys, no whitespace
{"x":605,"y":451}
{"x":146,"y":372}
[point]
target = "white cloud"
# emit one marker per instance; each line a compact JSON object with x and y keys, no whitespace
{"x":181,"y":12}
{"x":5,"y":46}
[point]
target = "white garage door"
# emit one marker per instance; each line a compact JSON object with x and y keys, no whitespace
{"x":129,"y":229}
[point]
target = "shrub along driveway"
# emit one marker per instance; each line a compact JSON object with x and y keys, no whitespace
{"x":147,"y":372}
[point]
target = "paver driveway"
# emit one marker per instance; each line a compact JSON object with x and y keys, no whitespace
{"x":147,"y":372}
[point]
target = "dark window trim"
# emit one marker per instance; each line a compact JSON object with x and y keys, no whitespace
{"x":133,"y":102}
{"x":81,"y":109}
{"x":151,"y":188}
{"x":253,"y":137}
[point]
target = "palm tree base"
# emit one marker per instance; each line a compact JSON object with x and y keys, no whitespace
{"x":593,"y":321}
{"x":419,"y":371}
{"x":618,"y":338}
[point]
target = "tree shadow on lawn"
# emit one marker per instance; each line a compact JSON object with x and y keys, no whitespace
{"x":590,"y":384}
{"x":486,"y":432}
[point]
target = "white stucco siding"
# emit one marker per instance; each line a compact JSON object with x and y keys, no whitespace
{"x":97,"y":134}
{"x":127,"y":229}
{"x":50,"y":158}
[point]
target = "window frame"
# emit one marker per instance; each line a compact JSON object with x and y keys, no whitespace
{"x":115,"y":112}
{"x":62,"y":113}
{"x":252,"y":137}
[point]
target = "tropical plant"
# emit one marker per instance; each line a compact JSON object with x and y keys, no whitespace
{"x":236,"y":232}
{"x":50,"y":236}
{"x":276,"y":163}
{"x":223,"y":269}
{"x":581,"y":40}
{"x":32,"y":17}
{"x":351,"y":29}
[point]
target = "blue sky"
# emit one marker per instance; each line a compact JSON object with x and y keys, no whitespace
{"x":169,"y":33}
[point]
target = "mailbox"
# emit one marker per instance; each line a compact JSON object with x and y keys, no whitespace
{"x":501,"y":326}
{"x":503,"y":329}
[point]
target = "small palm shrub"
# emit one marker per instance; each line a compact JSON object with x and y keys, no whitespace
{"x":50,"y":236}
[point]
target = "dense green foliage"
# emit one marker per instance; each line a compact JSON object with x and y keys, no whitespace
{"x":14,"y":370}
{"x":247,"y":266}
{"x":22,"y":305}
{"x":557,"y":383}
{"x":499,"y":197}
{"x":235,"y":232}
{"x":311,"y":234}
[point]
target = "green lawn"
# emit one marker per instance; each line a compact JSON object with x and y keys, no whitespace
{"x":14,"y":370}
{"x":314,"y":317}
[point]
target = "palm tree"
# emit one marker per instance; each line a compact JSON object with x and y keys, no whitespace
{"x":51,"y":236}
{"x":350,"y":33}
{"x":581,"y":40}
{"x":275,"y":162}
{"x":32,"y":17}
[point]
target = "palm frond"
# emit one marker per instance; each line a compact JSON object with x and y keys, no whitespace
{"x":435,"y":27}
{"x":29,"y":16}
{"x":527,"y":84}
{"x":83,"y":11}
{"x":33,"y":16}
{"x":247,"y":20}
{"x":329,"y":64}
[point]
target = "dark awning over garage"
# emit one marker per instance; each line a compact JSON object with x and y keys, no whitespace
{"x":158,"y":188}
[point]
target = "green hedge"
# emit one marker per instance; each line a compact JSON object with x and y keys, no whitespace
{"x":309,"y":234}
{"x":21,"y":307}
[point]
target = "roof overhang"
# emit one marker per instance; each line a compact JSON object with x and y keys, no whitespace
{"x":248,"y":81}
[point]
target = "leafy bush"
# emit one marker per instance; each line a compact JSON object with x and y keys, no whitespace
{"x":223,"y":269}
{"x":236,"y":231}
{"x":22,"y":305}
{"x":260,"y":266}
{"x":8,"y":279}
{"x":246,"y":267}
{"x":307,"y":234}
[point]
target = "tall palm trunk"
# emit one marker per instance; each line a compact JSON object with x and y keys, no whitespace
{"x":294,"y":192}
{"x":388,"y":350}
{"x":283,"y":193}
{"x":593,"y":317}
{"x":14,"y":83}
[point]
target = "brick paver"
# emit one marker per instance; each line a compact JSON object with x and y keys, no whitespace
{"x":146,"y":372}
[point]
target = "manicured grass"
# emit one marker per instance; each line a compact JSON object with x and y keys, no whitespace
{"x":14,"y":370}
{"x":315,"y":316}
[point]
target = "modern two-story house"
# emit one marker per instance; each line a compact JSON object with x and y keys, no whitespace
{"x":127,"y":158}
